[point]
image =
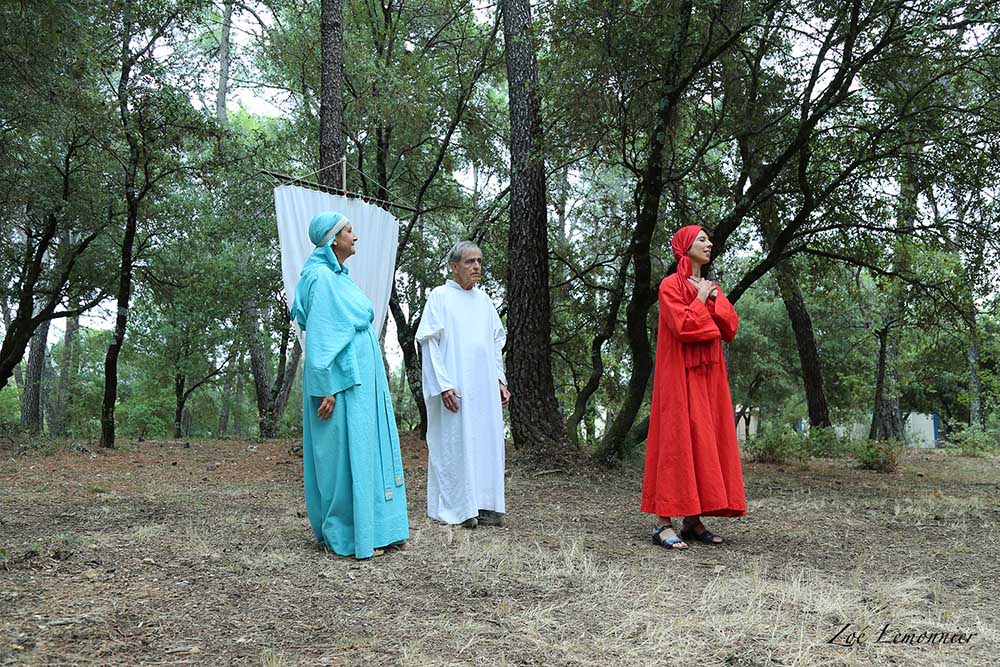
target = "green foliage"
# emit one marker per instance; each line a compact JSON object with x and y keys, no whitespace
{"x":974,"y":441}
{"x":783,"y":445}
{"x":776,"y":446}
{"x":426,"y":114}
{"x":825,"y":443}
{"x":10,"y":404}
{"x":879,"y":455}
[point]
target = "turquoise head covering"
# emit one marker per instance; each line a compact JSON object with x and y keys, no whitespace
{"x":325,"y":226}
{"x":322,"y":230}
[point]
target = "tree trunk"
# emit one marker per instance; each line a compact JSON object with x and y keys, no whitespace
{"x":67,"y":375}
{"x":805,"y":341}
{"x":277,"y":397}
{"x":49,"y":398}
{"x":17,"y":371}
{"x":976,"y":415}
{"x":536,"y":422}
{"x":31,"y":310}
{"x":287,"y":382}
{"x":249,"y":323}
{"x":127,"y":258}
{"x":123,"y":298}
{"x":798,"y":314}
{"x":224,"y":58}
{"x":331,"y":111}
{"x":226,"y":400}
{"x":405,"y":332}
{"x":887,"y":420}
{"x":180,"y":398}
{"x":238,"y":399}
{"x":31,"y":398}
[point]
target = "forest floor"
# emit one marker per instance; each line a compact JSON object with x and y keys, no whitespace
{"x":165,"y":553}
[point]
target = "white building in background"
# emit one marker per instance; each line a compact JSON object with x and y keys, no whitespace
{"x":747,"y":424}
{"x":921,"y":429}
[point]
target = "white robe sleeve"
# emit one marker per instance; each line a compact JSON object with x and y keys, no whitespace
{"x":499,"y":339}
{"x":430,"y":331}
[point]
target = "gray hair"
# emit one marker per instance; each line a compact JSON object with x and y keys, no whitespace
{"x":459,"y":249}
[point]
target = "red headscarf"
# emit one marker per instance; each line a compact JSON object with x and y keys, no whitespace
{"x":701,"y":355}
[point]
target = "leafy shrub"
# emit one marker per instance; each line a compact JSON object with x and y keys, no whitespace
{"x":825,"y":443}
{"x":776,"y":446}
{"x":879,"y":455}
{"x":974,"y":441}
{"x":10,"y":404}
{"x":149,"y":417}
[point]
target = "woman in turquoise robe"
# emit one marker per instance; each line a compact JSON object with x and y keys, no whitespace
{"x":353,"y":471}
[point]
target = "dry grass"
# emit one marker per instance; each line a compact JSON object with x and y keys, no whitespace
{"x":203,"y":555}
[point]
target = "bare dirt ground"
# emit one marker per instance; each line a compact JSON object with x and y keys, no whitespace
{"x":158,"y":553}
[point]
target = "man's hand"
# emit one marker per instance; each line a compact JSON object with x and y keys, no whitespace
{"x":450,"y":399}
{"x":504,"y":394}
{"x":326,"y":407}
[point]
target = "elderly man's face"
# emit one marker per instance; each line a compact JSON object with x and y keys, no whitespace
{"x":469,"y":270}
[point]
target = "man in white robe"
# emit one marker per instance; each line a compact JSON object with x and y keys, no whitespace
{"x":461,"y":341}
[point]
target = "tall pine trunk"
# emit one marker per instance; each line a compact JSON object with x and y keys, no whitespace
{"x":536,"y":422}
{"x":887,"y":419}
{"x":976,"y":415}
{"x":67,"y":375}
{"x":224,"y":59}
{"x":32,"y":412}
{"x":331,"y":110}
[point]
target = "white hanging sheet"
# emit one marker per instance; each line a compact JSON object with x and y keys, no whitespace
{"x":371,"y":268}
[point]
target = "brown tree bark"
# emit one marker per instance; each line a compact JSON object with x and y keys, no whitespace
{"x":976,"y":415}
{"x":887,"y":418}
{"x":67,"y":375}
{"x":331,"y":109}
{"x":31,"y":399}
{"x":238,"y":411}
{"x":805,"y":341}
{"x":277,"y":396}
{"x":183,"y":389}
{"x":536,"y":422}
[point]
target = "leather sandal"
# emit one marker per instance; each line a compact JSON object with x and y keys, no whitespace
{"x":669,"y":543}
{"x":706,"y":536}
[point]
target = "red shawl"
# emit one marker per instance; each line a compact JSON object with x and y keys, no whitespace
{"x":702,"y":355}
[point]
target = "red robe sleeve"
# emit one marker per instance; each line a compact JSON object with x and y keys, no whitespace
{"x":725,"y":317}
{"x":691,"y":321}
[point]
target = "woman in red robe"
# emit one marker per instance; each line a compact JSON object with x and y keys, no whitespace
{"x":692,"y":460}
